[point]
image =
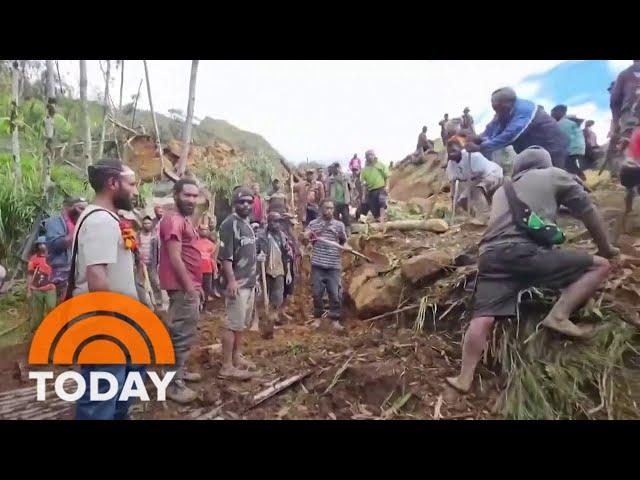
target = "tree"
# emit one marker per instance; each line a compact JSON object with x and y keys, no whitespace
{"x":15,"y":131}
{"x":153,"y":114}
{"x":86,"y":129}
{"x":105,"y":107}
{"x":48,"y":124}
{"x":186,"y":134}
{"x":121,"y":84}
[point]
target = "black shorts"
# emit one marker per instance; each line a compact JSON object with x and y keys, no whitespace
{"x":630,"y":176}
{"x":574,"y":164}
{"x":506,"y":269}
{"x":377,"y":200}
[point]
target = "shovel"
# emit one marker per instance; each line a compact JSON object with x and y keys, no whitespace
{"x":346,"y":249}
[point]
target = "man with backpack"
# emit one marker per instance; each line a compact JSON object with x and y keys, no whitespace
{"x":516,"y":253}
{"x":102,"y":260}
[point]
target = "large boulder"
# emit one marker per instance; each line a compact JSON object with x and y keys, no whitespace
{"x":425,"y":267}
{"x":373,"y":294}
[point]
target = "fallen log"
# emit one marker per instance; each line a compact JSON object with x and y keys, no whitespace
{"x":435,"y":225}
{"x":277,"y":388}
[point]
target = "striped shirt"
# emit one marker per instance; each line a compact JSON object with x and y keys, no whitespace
{"x":324,"y":255}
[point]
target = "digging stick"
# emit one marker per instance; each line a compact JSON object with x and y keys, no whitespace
{"x":345,"y":249}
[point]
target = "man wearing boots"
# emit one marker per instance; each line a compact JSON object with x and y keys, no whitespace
{"x":181,"y":276}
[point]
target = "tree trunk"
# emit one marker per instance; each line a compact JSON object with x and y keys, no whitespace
{"x":15,"y":130}
{"x":186,"y":133}
{"x":48,"y":125}
{"x":121,"y":84}
{"x":105,"y":110}
{"x":86,"y":128}
{"x":153,"y":116}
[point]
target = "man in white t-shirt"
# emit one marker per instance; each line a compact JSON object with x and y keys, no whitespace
{"x":478,"y":177}
{"x":104,"y":264}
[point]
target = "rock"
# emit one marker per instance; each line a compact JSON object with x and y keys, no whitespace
{"x":426,"y":266}
{"x":376,"y":295}
{"x":424,"y":204}
{"x":360,"y":276}
{"x":426,"y":178}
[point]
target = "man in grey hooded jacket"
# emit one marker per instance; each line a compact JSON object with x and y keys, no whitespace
{"x":510,"y":260}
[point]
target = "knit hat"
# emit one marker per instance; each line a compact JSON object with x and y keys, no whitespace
{"x":241,"y":192}
{"x":532,"y":158}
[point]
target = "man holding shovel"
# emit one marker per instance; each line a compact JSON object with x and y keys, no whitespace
{"x":277,"y":266}
{"x":326,"y":264}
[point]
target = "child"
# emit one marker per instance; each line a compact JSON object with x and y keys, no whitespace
{"x":207,"y":248}
{"x":40,"y":289}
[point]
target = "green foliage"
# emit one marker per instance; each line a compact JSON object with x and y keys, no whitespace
{"x":547,"y":378}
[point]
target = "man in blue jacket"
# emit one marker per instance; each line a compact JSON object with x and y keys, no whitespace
{"x":59,"y":233}
{"x":522,"y":124}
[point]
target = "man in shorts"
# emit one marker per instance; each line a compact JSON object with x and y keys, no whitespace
{"x":238,"y":256}
{"x":510,"y":260}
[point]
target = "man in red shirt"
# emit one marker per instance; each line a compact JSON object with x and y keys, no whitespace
{"x":207,"y":249}
{"x":40,"y":289}
{"x":258,"y":213}
{"x":181,"y":276}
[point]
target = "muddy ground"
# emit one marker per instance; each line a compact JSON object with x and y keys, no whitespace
{"x":379,"y":369}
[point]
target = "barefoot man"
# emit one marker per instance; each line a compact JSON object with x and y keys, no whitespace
{"x":510,"y":260}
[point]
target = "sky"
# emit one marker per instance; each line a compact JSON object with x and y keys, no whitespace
{"x":327,"y":110}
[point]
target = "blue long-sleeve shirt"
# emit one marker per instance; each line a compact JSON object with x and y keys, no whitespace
{"x":59,"y":257}
{"x":526,"y":125}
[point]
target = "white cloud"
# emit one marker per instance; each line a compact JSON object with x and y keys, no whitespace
{"x":327,"y":110}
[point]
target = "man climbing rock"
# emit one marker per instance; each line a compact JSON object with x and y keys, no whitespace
{"x":478,"y":178}
{"x":522,"y":124}
{"x":375,"y":177}
{"x":326,"y":264}
{"x":181,"y":276}
{"x":513,"y":257}
{"x":238,"y":256}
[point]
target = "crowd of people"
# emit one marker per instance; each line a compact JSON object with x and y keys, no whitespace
{"x":171,"y":263}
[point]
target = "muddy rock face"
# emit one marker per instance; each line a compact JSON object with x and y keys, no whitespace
{"x":425,"y":267}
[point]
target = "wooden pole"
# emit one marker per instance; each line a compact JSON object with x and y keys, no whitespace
{"x":153,"y":115}
{"x":186,"y":134}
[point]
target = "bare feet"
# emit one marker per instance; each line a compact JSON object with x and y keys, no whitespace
{"x":567,"y":327}
{"x":459,"y":384}
{"x":233,"y":373}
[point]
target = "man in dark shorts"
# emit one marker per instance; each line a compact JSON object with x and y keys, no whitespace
{"x":375,"y":177}
{"x":511,"y":261}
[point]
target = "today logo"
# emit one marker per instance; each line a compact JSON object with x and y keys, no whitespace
{"x":101,"y":328}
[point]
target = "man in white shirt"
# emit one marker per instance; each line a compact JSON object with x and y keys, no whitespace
{"x":103,"y":263}
{"x":478,"y":177}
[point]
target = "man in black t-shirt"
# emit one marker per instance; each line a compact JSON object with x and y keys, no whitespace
{"x":238,"y":257}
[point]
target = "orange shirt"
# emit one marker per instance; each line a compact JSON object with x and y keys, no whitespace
{"x":40,"y":280}
{"x":207,"y":248}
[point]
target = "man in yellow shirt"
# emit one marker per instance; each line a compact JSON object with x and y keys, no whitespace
{"x":375,"y":176}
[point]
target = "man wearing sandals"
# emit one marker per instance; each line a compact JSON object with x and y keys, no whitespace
{"x":238,"y":257}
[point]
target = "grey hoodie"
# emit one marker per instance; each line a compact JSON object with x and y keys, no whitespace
{"x":541,"y":186}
